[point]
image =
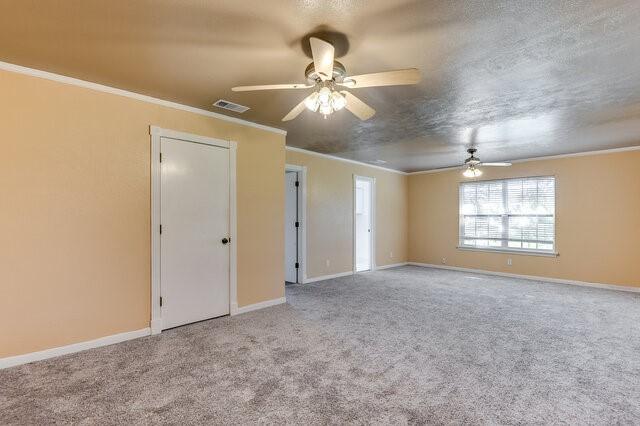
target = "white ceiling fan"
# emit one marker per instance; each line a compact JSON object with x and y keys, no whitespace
{"x":472,"y":163}
{"x":327,"y":76}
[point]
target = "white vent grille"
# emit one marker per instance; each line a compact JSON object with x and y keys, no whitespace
{"x":221,"y":103}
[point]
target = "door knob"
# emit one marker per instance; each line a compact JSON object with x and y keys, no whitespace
{"x":225,"y":241}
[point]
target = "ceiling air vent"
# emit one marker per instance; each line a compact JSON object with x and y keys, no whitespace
{"x":221,"y":103}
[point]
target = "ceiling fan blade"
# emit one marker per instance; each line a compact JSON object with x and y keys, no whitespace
{"x":323,"y":54}
{"x":495,"y":164}
{"x":295,"y":111}
{"x":387,"y":78}
{"x":357,"y":107}
{"x":271,"y":87}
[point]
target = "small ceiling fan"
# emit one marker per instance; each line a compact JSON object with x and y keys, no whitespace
{"x":472,"y":163}
{"x":327,"y":76}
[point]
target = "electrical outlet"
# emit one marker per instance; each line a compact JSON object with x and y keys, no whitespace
{"x":328,"y":263}
{"x":509,"y":262}
{"x":444,"y":260}
{"x":391,"y":255}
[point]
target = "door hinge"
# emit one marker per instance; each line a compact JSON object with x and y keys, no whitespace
{"x":297,"y":183}
{"x":161,"y":229}
{"x":297,"y":265}
{"x":297,"y":224}
{"x":160,"y":300}
{"x":161,"y":157}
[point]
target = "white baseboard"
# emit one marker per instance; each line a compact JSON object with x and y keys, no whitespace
{"x":344,"y":274}
{"x":531,"y":277}
{"x":75,"y":347}
{"x":235,"y":310}
{"x":328,"y":277}
{"x":393,"y":265}
{"x":156,"y":326}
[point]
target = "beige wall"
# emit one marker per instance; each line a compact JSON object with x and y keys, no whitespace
{"x":330,"y":213}
{"x":597,"y":220}
{"x":75,"y":211}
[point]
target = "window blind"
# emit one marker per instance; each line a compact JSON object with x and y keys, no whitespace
{"x":515,"y":214}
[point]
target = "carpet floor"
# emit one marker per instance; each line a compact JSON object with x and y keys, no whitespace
{"x":398,"y":346}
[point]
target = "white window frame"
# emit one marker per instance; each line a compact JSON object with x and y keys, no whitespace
{"x":505,"y":217}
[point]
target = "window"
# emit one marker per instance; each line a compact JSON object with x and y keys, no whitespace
{"x":509,"y":214}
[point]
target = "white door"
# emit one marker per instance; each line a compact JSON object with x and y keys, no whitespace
{"x":290,"y":229}
{"x":194,"y":213}
{"x":363,"y":223}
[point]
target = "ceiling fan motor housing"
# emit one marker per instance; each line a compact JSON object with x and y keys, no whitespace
{"x":339,"y":72}
{"x":472,"y":160}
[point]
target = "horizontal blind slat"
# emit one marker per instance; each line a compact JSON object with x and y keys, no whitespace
{"x":516,"y":213}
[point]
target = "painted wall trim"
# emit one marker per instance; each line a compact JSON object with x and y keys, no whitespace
{"x":548,"y":157}
{"x":156,"y":134}
{"x":121,"y":92}
{"x":372,"y":248}
{"x":328,"y":277}
{"x":392,"y":265}
{"x":73,"y":348}
{"x":517,"y":252}
{"x":531,"y":277}
{"x":346,"y":160}
{"x":235,"y":310}
{"x":302,"y":212}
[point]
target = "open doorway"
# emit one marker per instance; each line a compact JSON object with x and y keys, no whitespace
{"x":294,"y":241}
{"x":364,"y":222}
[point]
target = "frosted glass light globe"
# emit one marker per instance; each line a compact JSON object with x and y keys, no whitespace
{"x":324,"y":95}
{"x":338,"y":101}
{"x":472,"y":172}
{"x":325,"y":109}
{"x":312,"y":102}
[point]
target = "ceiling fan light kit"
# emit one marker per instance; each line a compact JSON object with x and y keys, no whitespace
{"x":325,"y":73}
{"x":472,"y":172}
{"x":472,"y":163}
{"x":326,"y":101}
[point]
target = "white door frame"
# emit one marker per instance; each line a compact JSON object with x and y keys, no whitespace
{"x":156,"y":134}
{"x":302,"y":217}
{"x":372,"y":180}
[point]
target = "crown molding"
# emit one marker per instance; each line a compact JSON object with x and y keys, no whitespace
{"x":548,"y":157}
{"x":6,"y":66}
{"x":346,"y":160}
{"x":127,"y":94}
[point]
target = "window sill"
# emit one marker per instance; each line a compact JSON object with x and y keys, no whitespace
{"x":511,"y":251}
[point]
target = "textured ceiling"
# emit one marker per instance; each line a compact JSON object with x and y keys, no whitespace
{"x":528,"y":78}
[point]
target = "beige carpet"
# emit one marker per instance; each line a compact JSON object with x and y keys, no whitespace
{"x":406,"y":345}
